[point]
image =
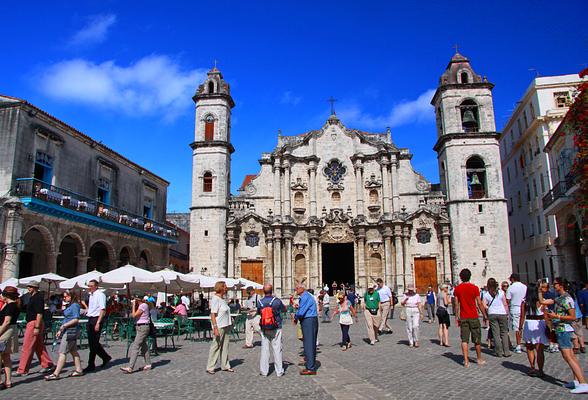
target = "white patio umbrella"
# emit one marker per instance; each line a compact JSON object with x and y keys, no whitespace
{"x":12,"y":282}
{"x":45,"y":281}
{"x":247,"y":283}
{"x":134,"y":278}
{"x":80,"y":281}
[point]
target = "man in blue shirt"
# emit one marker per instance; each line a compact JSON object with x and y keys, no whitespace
{"x":308,"y":316}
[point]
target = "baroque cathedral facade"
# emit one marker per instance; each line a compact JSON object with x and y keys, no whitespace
{"x":341,"y":204}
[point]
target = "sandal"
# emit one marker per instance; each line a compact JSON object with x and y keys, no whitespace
{"x":126,"y":370}
{"x":210,"y":372}
{"x":147,"y":367}
{"x":51,"y":377}
{"x":229,"y":370}
{"x":76,"y":374}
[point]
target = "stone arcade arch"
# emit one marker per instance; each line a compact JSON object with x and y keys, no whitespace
{"x":101,"y":256}
{"x":126,"y":256}
{"x":145,"y":259}
{"x":38,"y":256}
{"x":71,"y":256}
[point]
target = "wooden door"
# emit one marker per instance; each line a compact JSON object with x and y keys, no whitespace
{"x":425,"y":273}
{"x":253,"y":270}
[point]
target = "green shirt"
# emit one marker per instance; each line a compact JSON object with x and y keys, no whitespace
{"x":372,"y":301}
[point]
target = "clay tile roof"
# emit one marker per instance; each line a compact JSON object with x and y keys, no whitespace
{"x":247,"y":180}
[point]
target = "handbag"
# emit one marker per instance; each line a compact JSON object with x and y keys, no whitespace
{"x":72,"y":334}
{"x":345,"y":319}
{"x":403,"y":314}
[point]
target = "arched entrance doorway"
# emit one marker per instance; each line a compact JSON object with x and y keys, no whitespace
{"x":67,"y":259}
{"x":145,"y":259}
{"x":99,"y":259}
{"x":126,"y":256}
{"x":38,"y":254}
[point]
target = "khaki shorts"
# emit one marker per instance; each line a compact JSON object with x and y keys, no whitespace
{"x":470,"y":328}
{"x":67,"y":346}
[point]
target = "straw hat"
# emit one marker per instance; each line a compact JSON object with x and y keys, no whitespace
{"x":34,"y":284}
{"x":410,"y":287}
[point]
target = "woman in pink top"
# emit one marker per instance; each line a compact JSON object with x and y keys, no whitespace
{"x":141,"y":313}
{"x":181,"y":310}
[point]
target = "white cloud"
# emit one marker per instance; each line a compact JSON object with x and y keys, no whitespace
{"x":152,"y":85}
{"x":405,"y":112}
{"x":289,"y":98}
{"x":95,"y":31}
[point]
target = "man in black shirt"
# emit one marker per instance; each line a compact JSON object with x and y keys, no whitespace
{"x":34,"y":334}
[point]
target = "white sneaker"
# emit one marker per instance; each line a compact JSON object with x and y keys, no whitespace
{"x":572,"y":384}
{"x":518,"y":350}
{"x":580,"y":388}
{"x":372,"y":342}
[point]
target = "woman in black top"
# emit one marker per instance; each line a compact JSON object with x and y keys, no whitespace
{"x":8,"y":331}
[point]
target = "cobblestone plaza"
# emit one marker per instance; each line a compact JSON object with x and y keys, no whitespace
{"x":388,"y":370}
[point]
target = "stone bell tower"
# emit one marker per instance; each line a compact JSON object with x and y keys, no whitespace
{"x":211,"y":176}
{"x":470,"y":173}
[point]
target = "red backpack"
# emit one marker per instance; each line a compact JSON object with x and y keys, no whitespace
{"x":268,"y":320}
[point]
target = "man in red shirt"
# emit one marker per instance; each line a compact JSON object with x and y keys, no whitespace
{"x":467,"y":302}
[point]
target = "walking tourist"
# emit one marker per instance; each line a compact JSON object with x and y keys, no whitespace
{"x":270,"y":310}
{"x":547,"y":298}
{"x":431,"y":301}
{"x":372,"y":311}
{"x":467,"y":302}
{"x":140,"y":311}
{"x":515,"y":296}
{"x":562,"y":318}
{"x":386,"y":304}
{"x":69,"y":333}
{"x":346,"y":313}
{"x":34,"y":334}
{"x":414,"y":314}
{"x":533,"y":327}
{"x":494,"y":300}
{"x":220,"y":317}
{"x":326,"y":305}
{"x":8,"y":333}
{"x":443,"y":302}
{"x":308,"y":317}
{"x":96,"y":319}
{"x":252,"y":318}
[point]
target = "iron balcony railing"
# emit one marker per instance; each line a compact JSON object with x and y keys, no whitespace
{"x":559,"y":190}
{"x":36,"y":189}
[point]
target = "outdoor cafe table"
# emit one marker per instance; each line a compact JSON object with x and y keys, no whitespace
{"x":166,"y":329}
{"x":207,"y":317}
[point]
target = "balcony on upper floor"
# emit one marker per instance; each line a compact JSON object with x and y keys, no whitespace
{"x":62,"y":203}
{"x":562,"y":194}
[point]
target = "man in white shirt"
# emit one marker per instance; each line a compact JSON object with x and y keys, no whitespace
{"x":96,"y":318}
{"x":253,"y":318}
{"x":386,"y":303}
{"x":515,"y":295}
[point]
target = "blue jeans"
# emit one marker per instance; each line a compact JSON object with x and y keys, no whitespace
{"x":564,"y":339}
{"x":309,"y":333}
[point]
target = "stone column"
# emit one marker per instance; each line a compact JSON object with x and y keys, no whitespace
{"x":399,"y":276}
{"x":395,"y":193}
{"x":407,"y":262}
{"x":52,"y":261}
{"x":230,"y":255}
{"x":278,"y":263}
{"x":277,"y":189}
{"x":269,"y":270}
{"x":287,"y":200}
{"x":314,"y":271}
{"x":446,"y":255}
{"x":386,"y":185}
{"x":312,"y":188}
{"x":81,"y":265}
{"x":12,"y":240}
{"x":320,"y":265}
{"x":359,"y":188}
{"x":363,"y":279}
{"x":288,"y":275}
{"x":388,"y":257}
{"x":356,"y":263}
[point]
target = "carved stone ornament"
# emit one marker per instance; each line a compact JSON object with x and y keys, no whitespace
{"x":336,"y":233}
{"x":423,"y":235}
{"x":335,"y":186}
{"x":334,"y":171}
{"x":373,"y":182}
{"x":250,"y":189}
{"x":422,"y":186}
{"x":298,"y":185}
{"x":252,"y":239}
{"x":336,"y":215}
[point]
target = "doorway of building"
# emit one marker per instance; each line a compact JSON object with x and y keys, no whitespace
{"x":252,"y":270}
{"x":338,"y":263}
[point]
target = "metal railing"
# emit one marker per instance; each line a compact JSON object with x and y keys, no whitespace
{"x":559,"y":190}
{"x":34,"y":188}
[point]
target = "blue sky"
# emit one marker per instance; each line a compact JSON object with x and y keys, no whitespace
{"x":124,"y":72}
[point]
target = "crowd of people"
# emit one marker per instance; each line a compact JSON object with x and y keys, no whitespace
{"x":541,"y":319}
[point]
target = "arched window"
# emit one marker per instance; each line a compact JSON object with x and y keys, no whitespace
{"x":298,"y":200}
{"x":470,"y":121}
{"x":476,"y":178}
{"x":209,"y":128}
{"x":210,"y":87}
{"x":464,"y":77}
{"x":336,"y":197}
{"x":373,"y":196}
{"x":207,"y":182}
